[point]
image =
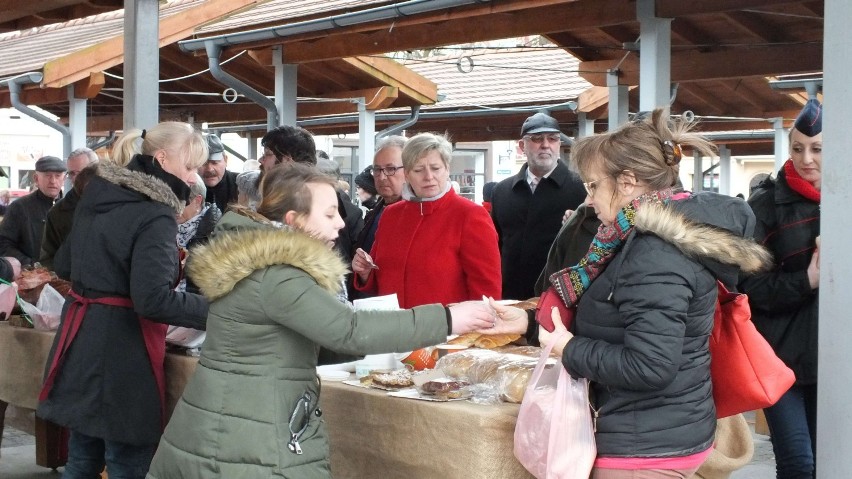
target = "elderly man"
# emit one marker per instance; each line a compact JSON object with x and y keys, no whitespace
{"x":221,"y":184}
{"x":23,"y":225}
{"x":82,"y":164}
{"x":527,"y":208}
{"x":388,"y":180}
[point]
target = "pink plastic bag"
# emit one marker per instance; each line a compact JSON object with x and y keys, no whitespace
{"x":554,"y":435}
{"x":8,"y":296}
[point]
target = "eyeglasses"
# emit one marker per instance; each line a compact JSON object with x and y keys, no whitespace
{"x":539,"y":138}
{"x":388,"y":170}
{"x":592,"y":186}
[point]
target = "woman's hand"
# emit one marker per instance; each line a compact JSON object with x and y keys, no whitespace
{"x":560,"y":335}
{"x":510,"y":320}
{"x":362,"y":264}
{"x":813,"y":268}
{"x":472,"y":316}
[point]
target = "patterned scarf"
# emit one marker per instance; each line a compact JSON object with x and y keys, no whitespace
{"x":800,"y":185}
{"x":572,"y":282}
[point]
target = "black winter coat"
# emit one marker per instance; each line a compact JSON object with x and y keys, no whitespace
{"x":57,"y":227}
{"x":527,"y":223}
{"x":122,"y":244}
{"x":784,"y":307}
{"x":225,"y":192}
{"x":23,"y":227}
{"x":642,"y":328}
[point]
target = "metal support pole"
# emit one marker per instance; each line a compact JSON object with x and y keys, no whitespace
{"x":725,"y":177}
{"x":252,"y":146}
{"x":76,"y":121}
{"x":698,"y":173}
{"x":366,"y":135}
{"x":782,"y":143}
{"x":141,"y":64}
{"x":617,"y":101}
{"x":655,"y":57}
{"x":586,"y":126}
{"x":286,"y":77}
{"x":834,"y":423}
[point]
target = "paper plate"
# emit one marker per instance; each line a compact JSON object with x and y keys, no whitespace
{"x":332,"y":375}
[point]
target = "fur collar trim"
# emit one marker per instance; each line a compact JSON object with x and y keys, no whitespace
{"x":231,"y":257}
{"x":698,"y":240}
{"x":153,"y":188}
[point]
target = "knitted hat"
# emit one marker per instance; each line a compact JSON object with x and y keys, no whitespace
{"x":366,"y":181}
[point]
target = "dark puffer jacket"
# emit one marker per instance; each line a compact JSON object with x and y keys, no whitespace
{"x":642,"y":327}
{"x":784,"y":307}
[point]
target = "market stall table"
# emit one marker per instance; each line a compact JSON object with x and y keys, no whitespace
{"x":373,"y":435}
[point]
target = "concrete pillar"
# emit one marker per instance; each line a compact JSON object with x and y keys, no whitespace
{"x":725,"y":177}
{"x":782,"y":143}
{"x":76,"y":121}
{"x":654,"y":56}
{"x":141,"y":64}
{"x":697,"y":172}
{"x":366,"y":135}
{"x":285,"y":89}
{"x":585,"y":126}
{"x":618,"y":106}
{"x":834,"y":421}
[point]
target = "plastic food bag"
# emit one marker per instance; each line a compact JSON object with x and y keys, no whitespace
{"x":45,"y":314}
{"x":8,"y":296}
{"x":554,"y":435}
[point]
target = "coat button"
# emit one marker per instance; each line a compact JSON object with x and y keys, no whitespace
{"x":318,"y":412}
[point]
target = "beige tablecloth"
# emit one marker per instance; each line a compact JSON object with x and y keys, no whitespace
{"x":373,"y":435}
{"x":23,"y":354}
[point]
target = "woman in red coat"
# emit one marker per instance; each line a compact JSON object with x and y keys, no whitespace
{"x":434,"y":246}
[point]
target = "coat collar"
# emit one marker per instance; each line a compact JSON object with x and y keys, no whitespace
{"x":702,"y":241}
{"x":559,"y":175}
{"x":235,"y":253}
{"x":147,"y":185}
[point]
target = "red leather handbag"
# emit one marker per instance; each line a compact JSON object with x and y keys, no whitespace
{"x":746,"y":373}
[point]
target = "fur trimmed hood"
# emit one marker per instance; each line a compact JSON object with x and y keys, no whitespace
{"x":232,"y":256}
{"x":152,"y":187}
{"x":703,"y":242}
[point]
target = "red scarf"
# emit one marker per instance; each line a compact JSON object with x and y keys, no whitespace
{"x":799,"y":185}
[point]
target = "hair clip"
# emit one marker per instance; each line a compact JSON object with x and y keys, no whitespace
{"x":677,"y":153}
{"x":143,"y":133}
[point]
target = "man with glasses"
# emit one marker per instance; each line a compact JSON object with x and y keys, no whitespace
{"x":527,"y":208}
{"x":388,"y":178}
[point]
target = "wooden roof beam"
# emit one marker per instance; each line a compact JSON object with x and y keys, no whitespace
{"x":392,"y":73}
{"x":504,"y":21}
{"x":108,"y":53}
{"x":681,"y":8}
{"x":33,"y":95}
{"x":757,"y":26}
{"x":376,"y":98}
{"x":690,"y":65}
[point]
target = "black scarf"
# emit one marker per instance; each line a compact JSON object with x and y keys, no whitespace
{"x":146,"y":164}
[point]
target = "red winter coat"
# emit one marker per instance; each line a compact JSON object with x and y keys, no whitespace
{"x":442,"y":251}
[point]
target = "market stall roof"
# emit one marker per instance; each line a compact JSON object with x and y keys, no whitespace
{"x":89,"y":54}
{"x":724,"y":51}
{"x":16,"y":15}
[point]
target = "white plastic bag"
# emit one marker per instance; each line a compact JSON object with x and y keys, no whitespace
{"x":554,"y":434}
{"x":45,"y":314}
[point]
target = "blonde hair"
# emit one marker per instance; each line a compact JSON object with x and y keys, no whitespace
{"x":177,"y":138}
{"x":421,"y":144}
{"x":651,"y":148}
{"x":285,"y":188}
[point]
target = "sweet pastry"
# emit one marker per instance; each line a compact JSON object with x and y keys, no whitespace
{"x":398,"y":378}
{"x":491,"y":341}
{"x":465,"y":339}
{"x":443,"y":386}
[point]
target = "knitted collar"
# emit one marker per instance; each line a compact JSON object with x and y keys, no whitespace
{"x":572,"y":282}
{"x":800,"y":185}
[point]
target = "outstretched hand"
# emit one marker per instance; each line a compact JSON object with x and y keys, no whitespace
{"x":472,"y":316}
{"x":560,"y":334}
{"x":508,"y":319}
